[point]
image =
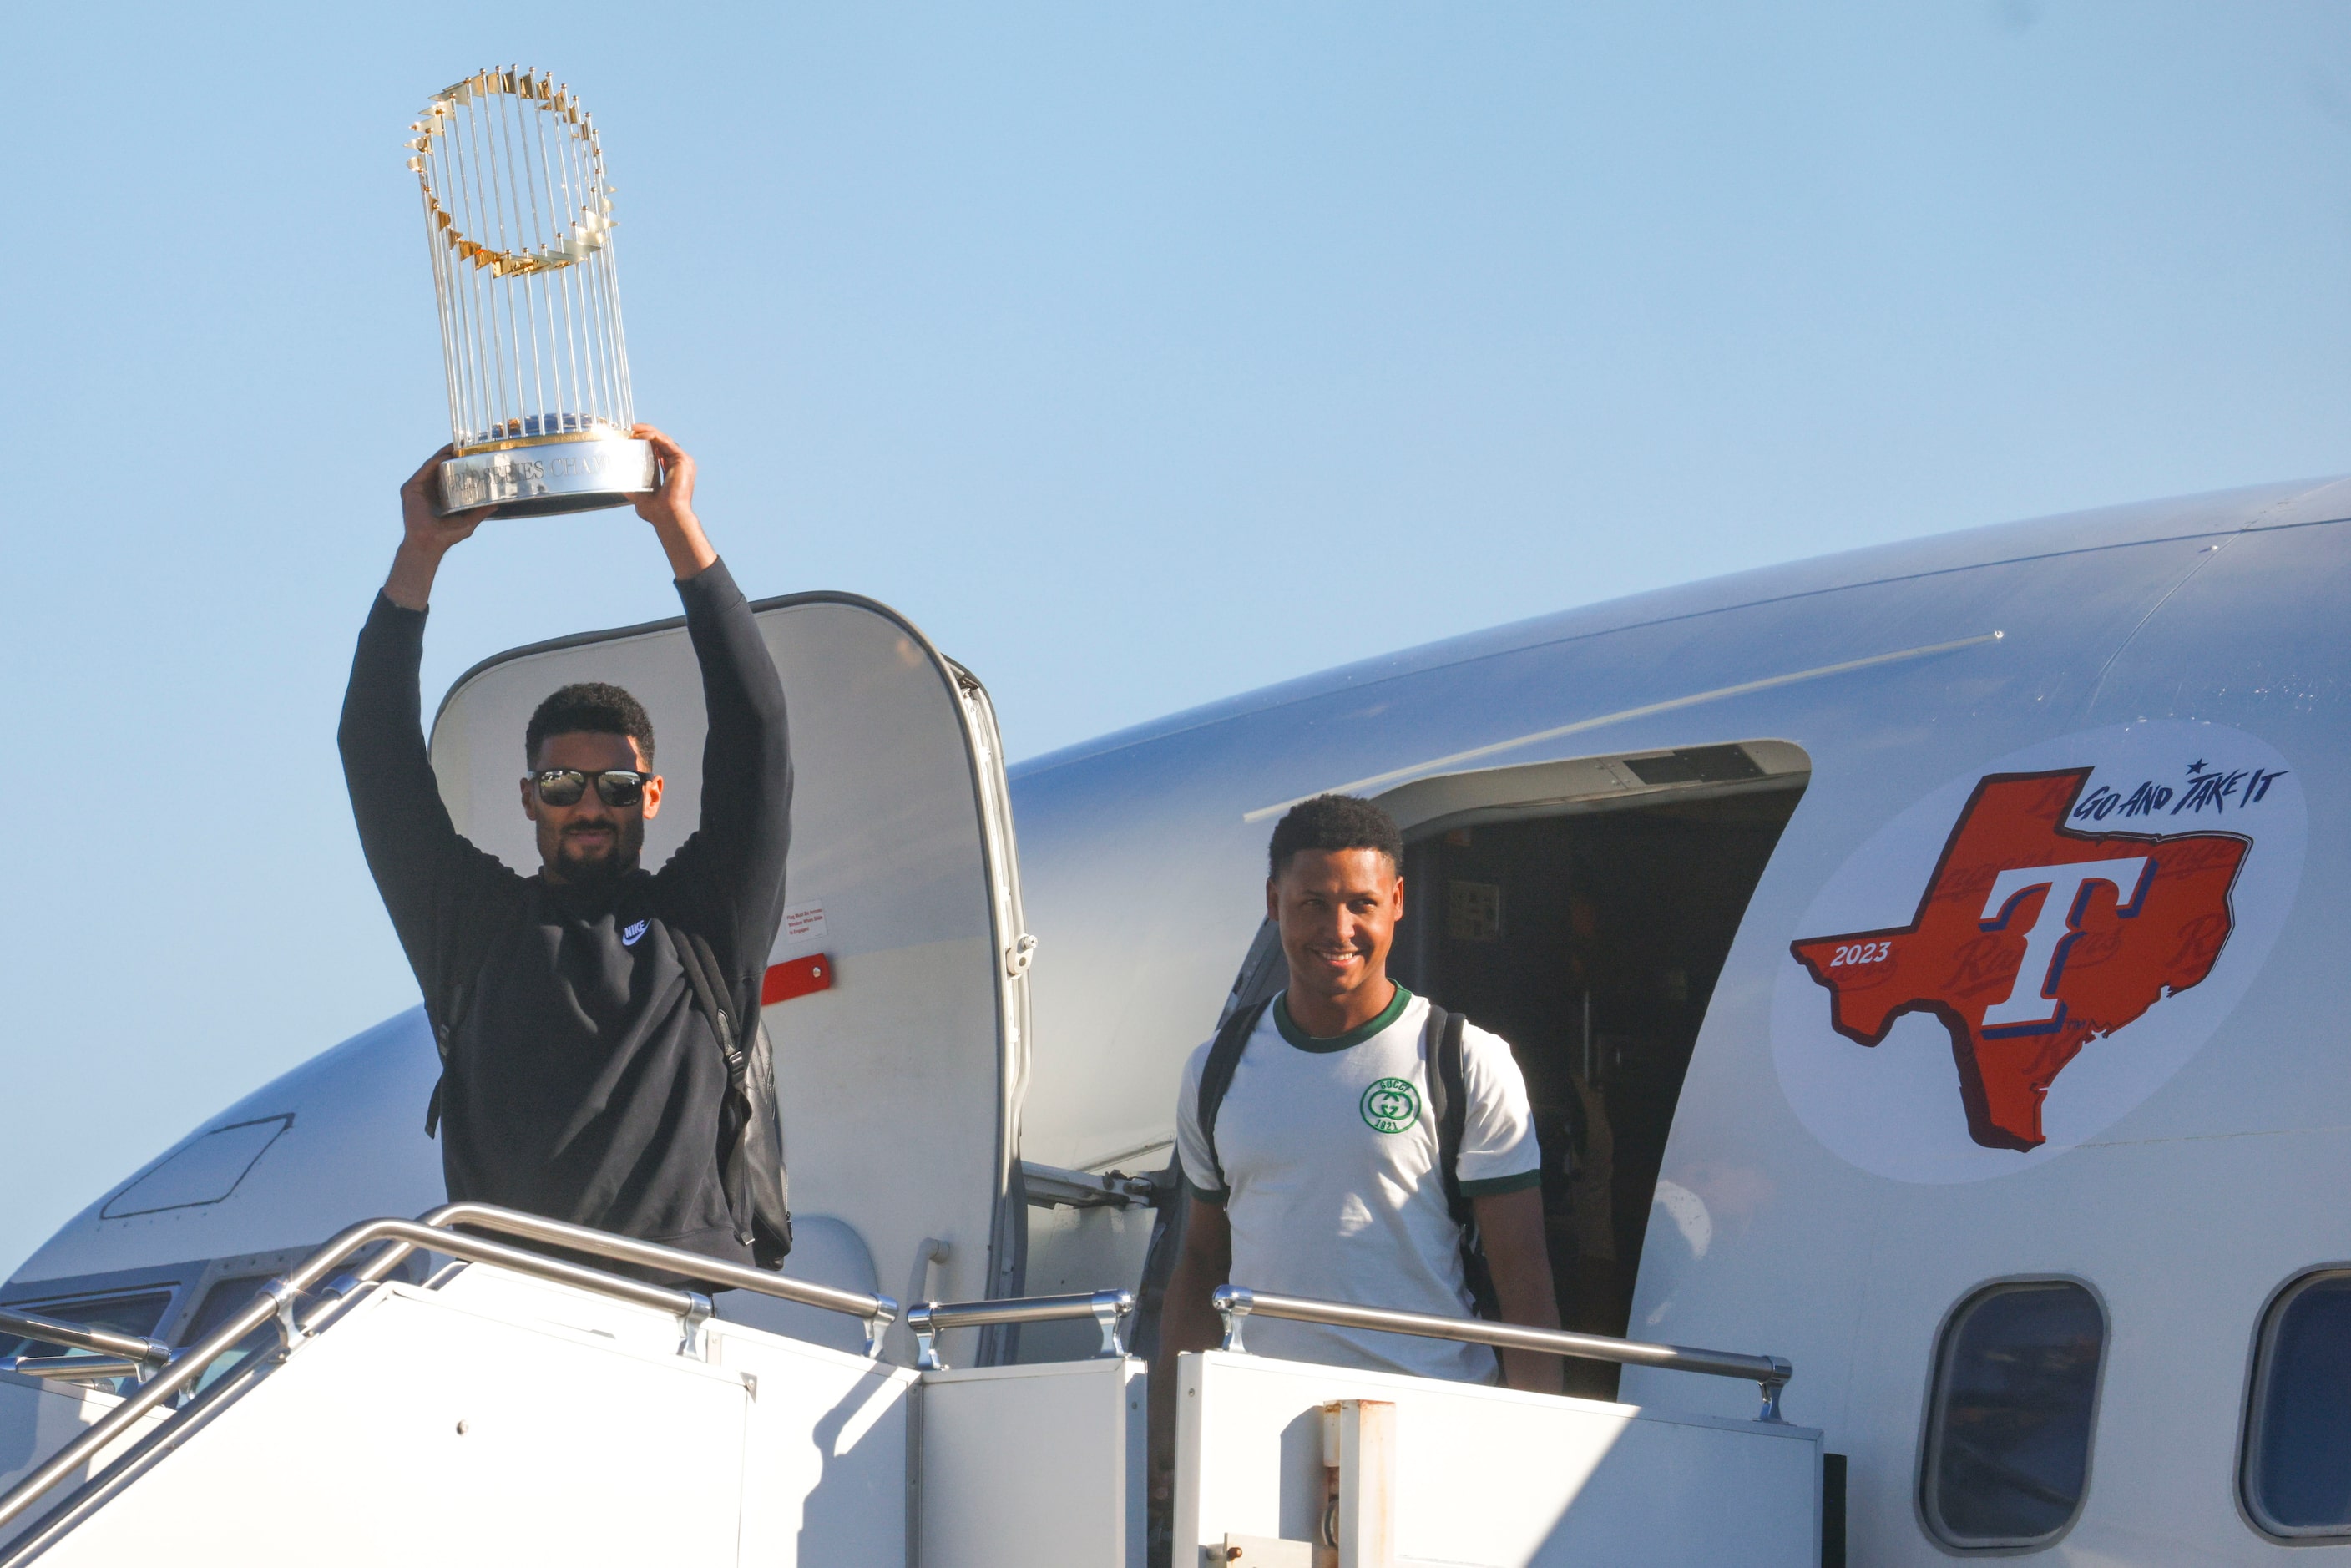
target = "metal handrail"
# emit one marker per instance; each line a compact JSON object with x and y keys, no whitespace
{"x":76,"y":1368}
{"x":84,"y":1336}
{"x":1052,"y":1186}
{"x":930,"y":1318}
{"x":879,"y":1312}
{"x":281,"y":1300}
{"x":1769,"y":1372}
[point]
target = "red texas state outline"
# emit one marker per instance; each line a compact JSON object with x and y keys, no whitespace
{"x":2032,"y":939}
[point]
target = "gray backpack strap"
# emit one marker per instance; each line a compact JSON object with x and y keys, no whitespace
{"x":1216,"y":1074}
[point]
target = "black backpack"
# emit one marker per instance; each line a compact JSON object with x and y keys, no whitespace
{"x":751,"y":1130}
{"x":1440,"y":1044}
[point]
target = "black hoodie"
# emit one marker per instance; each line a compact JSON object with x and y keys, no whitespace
{"x":582,"y":1083}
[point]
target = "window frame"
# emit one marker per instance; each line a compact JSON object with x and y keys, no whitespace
{"x":2258,"y":1365}
{"x":50,"y":1296}
{"x":1938,"y":1366}
{"x":73,"y":1306}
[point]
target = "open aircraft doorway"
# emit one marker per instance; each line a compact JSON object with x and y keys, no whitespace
{"x":1583,"y":910}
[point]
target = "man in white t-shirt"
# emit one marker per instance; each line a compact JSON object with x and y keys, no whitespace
{"x":1320,"y":1174}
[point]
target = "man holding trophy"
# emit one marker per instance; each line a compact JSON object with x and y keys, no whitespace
{"x":582,"y":1077}
{"x":601,"y":1058}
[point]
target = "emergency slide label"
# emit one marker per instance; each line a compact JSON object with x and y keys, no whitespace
{"x":2012,"y":964}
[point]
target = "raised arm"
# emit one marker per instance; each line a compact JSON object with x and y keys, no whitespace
{"x":425,"y":538}
{"x":670,"y":509}
{"x":432,"y":881}
{"x":732,"y":866}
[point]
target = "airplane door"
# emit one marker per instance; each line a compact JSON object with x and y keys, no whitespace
{"x":897,"y":991}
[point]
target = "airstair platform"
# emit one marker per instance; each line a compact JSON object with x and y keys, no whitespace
{"x":519,"y":1407}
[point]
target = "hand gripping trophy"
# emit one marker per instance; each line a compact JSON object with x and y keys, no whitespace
{"x":518,"y":217}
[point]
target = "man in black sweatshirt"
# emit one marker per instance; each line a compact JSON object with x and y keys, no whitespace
{"x":581,"y":1080}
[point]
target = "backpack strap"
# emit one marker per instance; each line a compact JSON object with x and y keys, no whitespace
{"x":702,"y":975}
{"x":1441,"y":1044}
{"x":444,"y":1022}
{"x":1216,"y":1074}
{"x":701,"y":966}
{"x":1448,"y":1093}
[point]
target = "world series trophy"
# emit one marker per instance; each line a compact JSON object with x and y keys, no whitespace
{"x":518,"y":217}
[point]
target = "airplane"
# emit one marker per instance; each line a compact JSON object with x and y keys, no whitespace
{"x":1924,"y":960}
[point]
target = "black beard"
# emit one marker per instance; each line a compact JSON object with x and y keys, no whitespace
{"x":604,"y":870}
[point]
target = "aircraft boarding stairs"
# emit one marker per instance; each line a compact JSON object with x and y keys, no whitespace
{"x":521,"y":1407}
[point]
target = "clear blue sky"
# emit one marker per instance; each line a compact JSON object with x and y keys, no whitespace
{"x":1141,"y":354}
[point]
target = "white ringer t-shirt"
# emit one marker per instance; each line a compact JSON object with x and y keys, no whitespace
{"x":1331,"y":1179}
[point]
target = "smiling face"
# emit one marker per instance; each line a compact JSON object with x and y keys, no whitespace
{"x":1338,"y":911}
{"x":590,"y":842}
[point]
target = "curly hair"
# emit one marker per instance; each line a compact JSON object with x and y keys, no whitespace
{"x":1334,"y":823}
{"x":589,"y":707}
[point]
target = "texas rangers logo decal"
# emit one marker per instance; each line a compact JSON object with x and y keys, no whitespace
{"x":2074,"y":939}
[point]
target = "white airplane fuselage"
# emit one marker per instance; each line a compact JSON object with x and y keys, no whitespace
{"x":1953,"y":916}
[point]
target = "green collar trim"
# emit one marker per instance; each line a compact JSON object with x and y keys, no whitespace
{"x":1356,"y":1036}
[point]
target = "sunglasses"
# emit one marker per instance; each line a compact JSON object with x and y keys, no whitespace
{"x":565,"y":786}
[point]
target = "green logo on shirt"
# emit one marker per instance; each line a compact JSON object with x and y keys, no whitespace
{"x":1391,"y":1105}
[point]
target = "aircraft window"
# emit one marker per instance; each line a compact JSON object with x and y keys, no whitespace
{"x":2008,"y":1434}
{"x":2297,"y":1478}
{"x":206,"y":1171}
{"x":1591,"y":940}
{"x":137,"y":1312}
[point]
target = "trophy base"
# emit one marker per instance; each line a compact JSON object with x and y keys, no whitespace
{"x":538,"y":478}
